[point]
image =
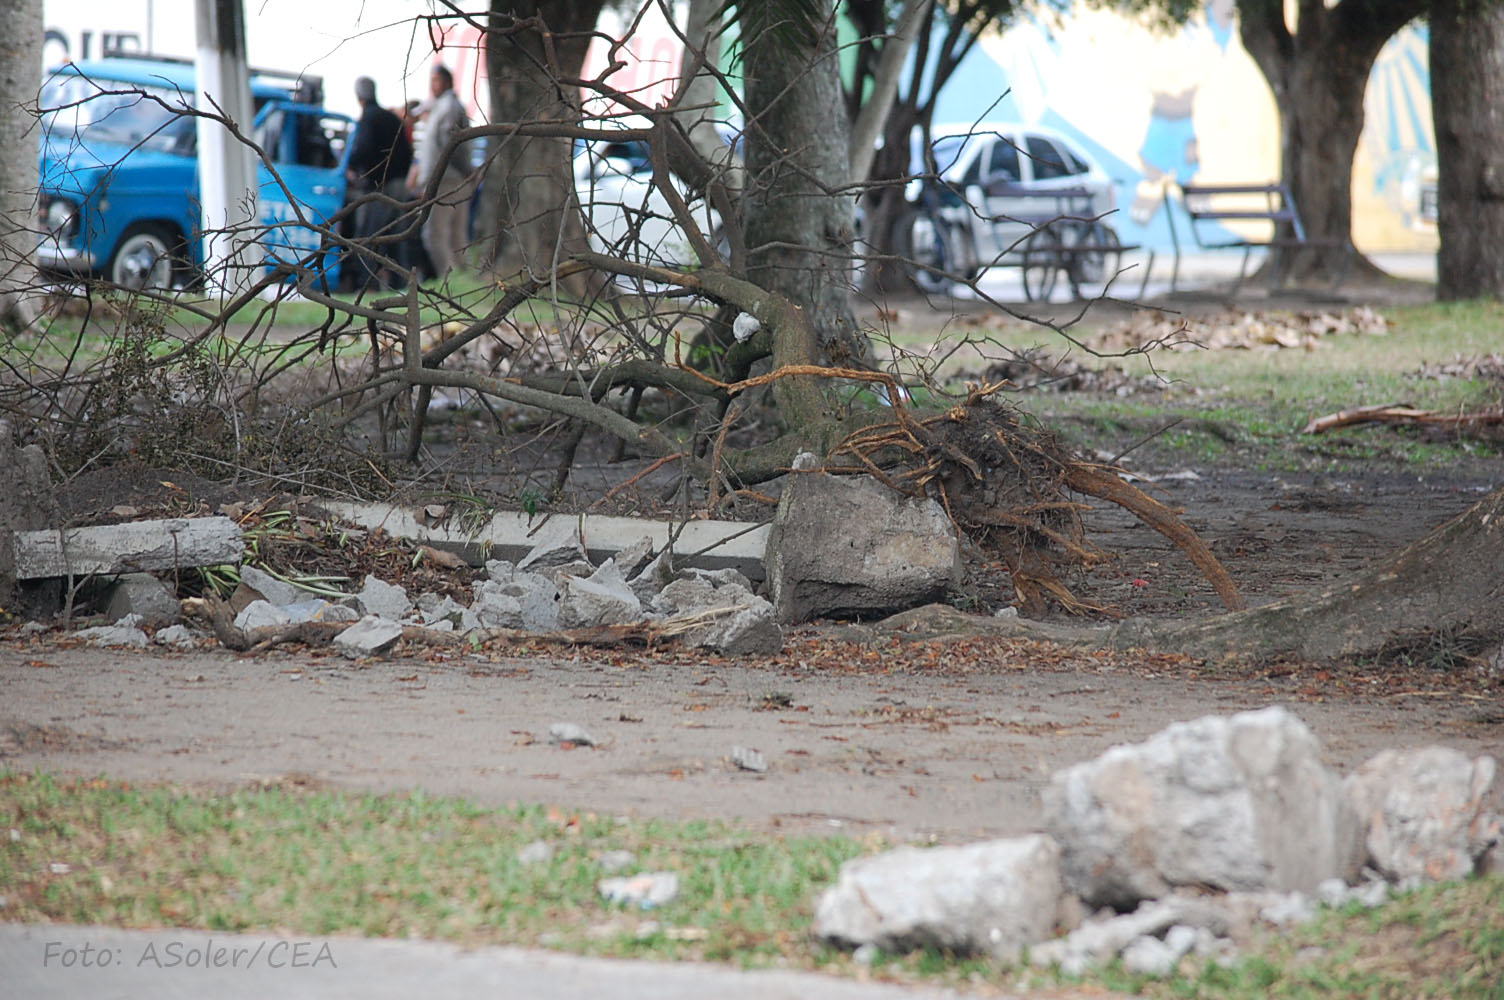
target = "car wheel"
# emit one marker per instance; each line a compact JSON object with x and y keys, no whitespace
{"x":148,"y":258}
{"x":923,"y":242}
{"x":1100,"y":264}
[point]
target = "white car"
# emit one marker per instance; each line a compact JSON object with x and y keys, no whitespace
{"x":990,"y":186}
{"x":626,"y":214}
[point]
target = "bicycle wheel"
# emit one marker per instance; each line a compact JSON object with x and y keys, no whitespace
{"x":1100,"y":262}
{"x":923,"y":242}
{"x":1042,"y":260}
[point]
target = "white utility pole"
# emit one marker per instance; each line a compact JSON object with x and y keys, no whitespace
{"x":227,"y":167}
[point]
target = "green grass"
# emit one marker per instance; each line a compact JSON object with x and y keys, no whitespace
{"x":1251,"y":405}
{"x":295,"y":860}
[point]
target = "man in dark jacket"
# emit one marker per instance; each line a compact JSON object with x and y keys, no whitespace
{"x":380,"y":155}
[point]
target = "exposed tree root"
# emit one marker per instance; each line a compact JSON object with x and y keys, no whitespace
{"x":1004,"y":482}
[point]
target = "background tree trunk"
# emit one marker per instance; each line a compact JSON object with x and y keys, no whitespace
{"x":799,"y":231}
{"x":20,"y":80}
{"x":530,"y":216}
{"x":1318,"y":74}
{"x":1467,"y":105}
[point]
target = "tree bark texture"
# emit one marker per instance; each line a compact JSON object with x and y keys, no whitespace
{"x":800,"y":226}
{"x":531,"y":215}
{"x":1467,"y":106}
{"x":20,"y":80}
{"x":1442,"y":595}
{"x":1318,"y":73}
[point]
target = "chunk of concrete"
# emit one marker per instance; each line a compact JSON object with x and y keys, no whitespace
{"x":1239,"y":803}
{"x":371,"y":636}
{"x":135,"y":546}
{"x":261,"y":614}
{"x":1101,"y":939}
{"x":1425,"y":812}
{"x":996,"y":898}
{"x":435,"y":608}
{"x":113,"y":635}
{"x":144,"y":595}
{"x":382,"y":599}
{"x":600,"y":599}
{"x":728,"y":618}
{"x":178,"y":637}
{"x":849,"y":546}
{"x":278,"y":592}
{"x":557,"y":542}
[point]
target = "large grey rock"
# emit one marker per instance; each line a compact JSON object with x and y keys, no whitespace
{"x":143,"y":595}
{"x":600,"y":599}
{"x":370,"y":636}
{"x":278,"y":592}
{"x":382,"y":599}
{"x":1425,"y":811}
{"x":996,"y":897}
{"x":1233,"y":803}
{"x":848,"y":545}
{"x":494,"y":607}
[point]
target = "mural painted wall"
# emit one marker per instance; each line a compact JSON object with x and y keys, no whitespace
{"x":1156,"y":109}
{"x":1159,"y":110}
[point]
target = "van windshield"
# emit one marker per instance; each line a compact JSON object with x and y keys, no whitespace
{"x":151,"y":117}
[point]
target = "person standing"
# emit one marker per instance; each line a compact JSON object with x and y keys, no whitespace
{"x":446,"y":233}
{"x":380,"y":157}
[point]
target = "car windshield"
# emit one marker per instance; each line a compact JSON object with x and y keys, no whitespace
{"x":149,"y":116}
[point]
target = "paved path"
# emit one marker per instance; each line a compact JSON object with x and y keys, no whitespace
{"x":47,"y":961}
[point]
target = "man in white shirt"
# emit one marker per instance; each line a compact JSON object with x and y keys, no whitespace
{"x":446,"y":233}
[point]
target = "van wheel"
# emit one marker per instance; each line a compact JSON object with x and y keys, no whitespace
{"x":148,"y":258}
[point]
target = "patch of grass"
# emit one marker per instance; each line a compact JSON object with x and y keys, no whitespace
{"x":325,"y":863}
{"x":1263,"y":398}
{"x":310,"y":862}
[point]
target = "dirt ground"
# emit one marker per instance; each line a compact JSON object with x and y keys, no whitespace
{"x":863,"y":730}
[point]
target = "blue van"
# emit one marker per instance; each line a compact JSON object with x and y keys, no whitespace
{"x":119,"y":169}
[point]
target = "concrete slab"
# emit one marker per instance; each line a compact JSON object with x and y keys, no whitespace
{"x":132,"y":547}
{"x":512,"y":535}
{"x":48,"y":962}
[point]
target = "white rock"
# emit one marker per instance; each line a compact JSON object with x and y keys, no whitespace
{"x":615,"y":861}
{"x":749,"y":760}
{"x":602,"y":599}
{"x":385,"y":600}
{"x":260,"y":614}
{"x":646,"y":891}
{"x":368,"y":637}
{"x":278,"y":592}
{"x":539,"y":852}
{"x":1233,"y":803}
{"x":568,"y":732}
{"x":995,"y":897}
{"x":1425,"y":812}
{"x":177,"y":637}
{"x":113,"y":635}
{"x":556,"y":543}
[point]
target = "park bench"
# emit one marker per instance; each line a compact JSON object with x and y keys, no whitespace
{"x":1208,"y":205}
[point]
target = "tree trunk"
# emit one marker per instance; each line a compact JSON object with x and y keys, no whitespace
{"x":1441,"y":598}
{"x":531,"y":215}
{"x":20,"y":79}
{"x":1318,"y":74}
{"x":1467,"y":105}
{"x":799,"y":228}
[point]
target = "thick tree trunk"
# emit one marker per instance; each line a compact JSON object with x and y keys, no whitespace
{"x":1441,"y":597}
{"x":799,"y":228}
{"x":1318,"y":74}
{"x":1467,"y":105}
{"x":20,"y":79}
{"x":531,"y":215}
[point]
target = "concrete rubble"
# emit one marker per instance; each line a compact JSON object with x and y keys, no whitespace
{"x":1149,"y":828}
